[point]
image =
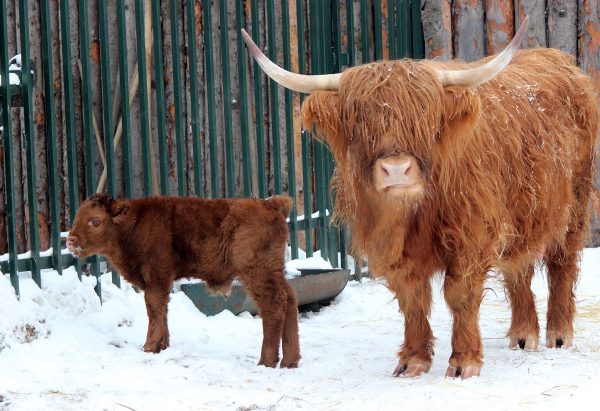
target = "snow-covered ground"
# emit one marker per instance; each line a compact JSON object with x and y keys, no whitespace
{"x":61,"y":350}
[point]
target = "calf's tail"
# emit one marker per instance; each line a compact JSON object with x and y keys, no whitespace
{"x":283,"y":204}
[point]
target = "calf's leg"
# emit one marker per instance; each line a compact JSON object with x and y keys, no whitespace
{"x":414,"y":297}
{"x":290,"y":338}
{"x":463,"y":296}
{"x":157,"y":338}
{"x":268,"y":291}
{"x":524,"y":329}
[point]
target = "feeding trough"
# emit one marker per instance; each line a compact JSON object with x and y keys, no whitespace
{"x":312,"y":286}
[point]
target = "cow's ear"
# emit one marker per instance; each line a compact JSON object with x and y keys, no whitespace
{"x":119,"y":210}
{"x":462,"y":108}
{"x":322,"y":110}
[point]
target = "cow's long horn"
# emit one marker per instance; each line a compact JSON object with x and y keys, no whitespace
{"x":475,"y":76}
{"x":297,"y":82}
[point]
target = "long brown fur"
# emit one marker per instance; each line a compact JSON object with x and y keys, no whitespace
{"x":508,"y":169}
{"x":154,"y":241}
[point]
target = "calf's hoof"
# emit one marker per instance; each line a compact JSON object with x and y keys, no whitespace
{"x":156,"y":347}
{"x":269,"y":362}
{"x":463,"y":372}
{"x":411,"y":370}
{"x":289,"y":363}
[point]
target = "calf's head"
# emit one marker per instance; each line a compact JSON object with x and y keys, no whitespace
{"x":95,"y":225}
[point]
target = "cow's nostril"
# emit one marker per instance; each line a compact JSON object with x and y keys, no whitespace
{"x":384,"y":171}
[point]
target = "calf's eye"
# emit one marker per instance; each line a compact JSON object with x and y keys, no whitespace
{"x":94,"y":222}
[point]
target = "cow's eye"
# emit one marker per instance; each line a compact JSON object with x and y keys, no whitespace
{"x":94,"y":222}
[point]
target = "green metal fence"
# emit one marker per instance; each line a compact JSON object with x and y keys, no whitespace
{"x":142,"y":97}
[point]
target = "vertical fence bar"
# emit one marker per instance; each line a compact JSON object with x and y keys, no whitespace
{"x":258,"y":106}
{"x":350,"y":26}
{"x":124,"y":92}
{"x":27,"y":88}
{"x":227,"y":116}
{"x":391,"y":28}
{"x":326,"y":66}
{"x":8,"y":149}
{"x":144,"y":114}
{"x":68,"y":98}
{"x":177,"y":89}
{"x":107,"y":128}
{"x":274,"y":99}
{"x":307,"y":187}
{"x":210,"y":94}
{"x":304,"y":136}
{"x":418,"y":45}
{"x":86,"y":91}
{"x":364,"y":31}
{"x":160,"y":99}
{"x":289,"y":128}
{"x":194,"y":92}
{"x":49,"y":113}
{"x":318,"y":46}
{"x":377,"y":28}
{"x":245,"y":129}
{"x":404,"y":33}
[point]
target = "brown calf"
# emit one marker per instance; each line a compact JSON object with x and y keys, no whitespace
{"x":154,"y":241}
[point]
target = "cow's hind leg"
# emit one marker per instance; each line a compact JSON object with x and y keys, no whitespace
{"x":414,"y":297}
{"x":563,"y":271}
{"x":269,"y":292}
{"x":524,"y":329}
{"x":463,"y":295}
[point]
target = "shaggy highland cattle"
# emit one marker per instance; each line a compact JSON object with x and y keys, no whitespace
{"x":455,"y":168}
{"x":154,"y":241}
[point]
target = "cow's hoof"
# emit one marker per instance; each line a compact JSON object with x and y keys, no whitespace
{"x":410,"y":371}
{"x":555,"y":339}
{"x":463,"y":372}
{"x":528,"y":343}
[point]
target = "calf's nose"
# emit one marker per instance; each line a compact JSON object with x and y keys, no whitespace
{"x":71,"y":241}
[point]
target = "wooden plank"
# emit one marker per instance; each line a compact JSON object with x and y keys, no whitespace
{"x":536,"y":31}
{"x":589,"y":38}
{"x":500,"y":25}
{"x":467,"y":19}
{"x":437,"y":29}
{"x":562,"y":25}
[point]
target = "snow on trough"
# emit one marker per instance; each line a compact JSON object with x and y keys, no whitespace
{"x":60,"y":349}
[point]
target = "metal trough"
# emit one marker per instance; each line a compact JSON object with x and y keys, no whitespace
{"x":311,"y":286}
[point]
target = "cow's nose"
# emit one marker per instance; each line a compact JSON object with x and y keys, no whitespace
{"x":392,"y":169}
{"x":397,"y":173}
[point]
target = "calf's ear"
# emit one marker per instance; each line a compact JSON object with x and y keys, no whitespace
{"x":322,"y":110}
{"x":119,"y":210}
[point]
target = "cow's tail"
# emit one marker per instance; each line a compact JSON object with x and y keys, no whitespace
{"x":283,"y":204}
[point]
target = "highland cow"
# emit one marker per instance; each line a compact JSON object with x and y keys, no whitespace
{"x":455,"y":168}
{"x":154,"y":241}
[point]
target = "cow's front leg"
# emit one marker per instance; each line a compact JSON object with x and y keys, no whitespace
{"x":463,"y":295}
{"x":414,"y":297}
{"x":157,"y":338}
